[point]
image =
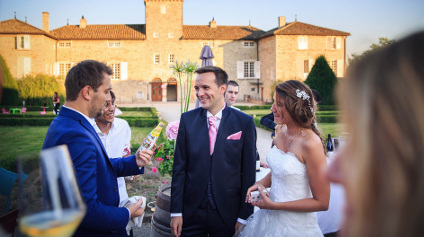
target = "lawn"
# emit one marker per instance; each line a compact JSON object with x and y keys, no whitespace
{"x":16,"y":141}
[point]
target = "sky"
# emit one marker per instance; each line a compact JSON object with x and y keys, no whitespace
{"x":365,"y":20}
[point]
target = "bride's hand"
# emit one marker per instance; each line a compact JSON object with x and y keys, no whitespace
{"x":253,"y":188}
{"x":264,"y":202}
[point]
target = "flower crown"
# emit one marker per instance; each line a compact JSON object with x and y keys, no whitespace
{"x":304,"y":96}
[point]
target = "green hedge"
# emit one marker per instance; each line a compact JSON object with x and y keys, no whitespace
{"x":9,"y":121}
{"x":327,"y":108}
{"x":247,"y":107}
{"x":137,"y":109}
{"x":29,"y":108}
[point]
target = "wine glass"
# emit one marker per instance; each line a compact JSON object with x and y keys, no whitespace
{"x":49,"y":199}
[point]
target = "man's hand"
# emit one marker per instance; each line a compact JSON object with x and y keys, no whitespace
{"x":176,"y":225}
{"x":238,"y":225}
{"x":144,"y":157}
{"x":135,"y":208}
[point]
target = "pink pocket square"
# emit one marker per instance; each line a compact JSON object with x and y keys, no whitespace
{"x":235,"y":136}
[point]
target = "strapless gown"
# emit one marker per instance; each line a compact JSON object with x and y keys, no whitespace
{"x":289,"y":183}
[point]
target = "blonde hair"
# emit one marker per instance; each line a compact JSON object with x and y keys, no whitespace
{"x":382,"y":102}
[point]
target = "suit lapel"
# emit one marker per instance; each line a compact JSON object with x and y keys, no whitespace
{"x":87,"y":125}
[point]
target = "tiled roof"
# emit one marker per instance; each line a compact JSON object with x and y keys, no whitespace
{"x":205,"y":32}
{"x":15,"y":26}
{"x":300,"y":28}
{"x":97,"y":32}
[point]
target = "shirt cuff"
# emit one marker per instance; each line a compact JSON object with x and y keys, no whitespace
{"x":241,"y":221}
{"x":176,"y":214}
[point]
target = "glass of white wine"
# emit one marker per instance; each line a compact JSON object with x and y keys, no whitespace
{"x":50,"y":203}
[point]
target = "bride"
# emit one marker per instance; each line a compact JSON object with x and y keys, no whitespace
{"x":298,"y":190}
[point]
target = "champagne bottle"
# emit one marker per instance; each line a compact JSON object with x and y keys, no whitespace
{"x":330,"y":146}
{"x":258,"y":162}
{"x":151,"y":139}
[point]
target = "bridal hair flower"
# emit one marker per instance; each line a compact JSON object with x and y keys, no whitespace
{"x":304,"y":96}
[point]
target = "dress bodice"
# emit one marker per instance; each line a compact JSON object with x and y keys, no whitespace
{"x":289,"y":178}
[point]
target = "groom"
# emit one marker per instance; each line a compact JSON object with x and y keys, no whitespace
{"x":214,"y":163}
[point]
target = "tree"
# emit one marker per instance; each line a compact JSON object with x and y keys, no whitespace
{"x":322,"y":79}
{"x":10,"y":95}
{"x":37,"y":89}
{"x":382,"y":42}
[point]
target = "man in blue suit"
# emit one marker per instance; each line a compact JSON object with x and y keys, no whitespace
{"x":214,"y":163}
{"x":88,"y":86}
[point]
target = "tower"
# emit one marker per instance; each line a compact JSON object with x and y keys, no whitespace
{"x":164,"y":19}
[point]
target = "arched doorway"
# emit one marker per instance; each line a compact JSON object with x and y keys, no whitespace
{"x":157,"y":89}
{"x":171,"y":90}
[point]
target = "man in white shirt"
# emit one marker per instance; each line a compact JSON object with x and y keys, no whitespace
{"x":115,"y":134}
{"x":231,"y":94}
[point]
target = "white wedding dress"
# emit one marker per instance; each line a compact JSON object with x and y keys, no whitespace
{"x":289,"y":183}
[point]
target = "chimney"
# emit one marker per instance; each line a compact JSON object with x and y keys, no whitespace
{"x":281,"y":21}
{"x":83,"y":23}
{"x":46,"y":21}
{"x":212,"y":23}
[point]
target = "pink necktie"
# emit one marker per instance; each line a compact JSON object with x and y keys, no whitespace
{"x":212,"y":132}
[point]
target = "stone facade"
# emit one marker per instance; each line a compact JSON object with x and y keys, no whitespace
{"x":141,"y":55}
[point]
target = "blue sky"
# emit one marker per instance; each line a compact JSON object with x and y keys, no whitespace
{"x":366,"y":20}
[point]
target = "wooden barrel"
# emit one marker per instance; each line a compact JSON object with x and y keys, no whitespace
{"x":162,"y":217}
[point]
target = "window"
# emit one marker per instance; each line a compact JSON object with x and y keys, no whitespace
{"x":249,"y":69}
{"x":114,"y":44}
{"x":334,"y":42}
{"x":306,"y":66}
{"x":64,"y":68}
{"x":116,"y":67}
{"x":66,"y":44}
{"x":249,"y":44}
{"x":23,"y":42}
{"x":208,"y":43}
{"x":333,"y":65}
{"x":156,"y":35}
{"x":163,"y":9}
{"x":156,"y":58}
{"x":139,"y":94}
{"x":171,"y":58}
{"x":303,"y":42}
{"x":252,"y":89}
{"x":170,"y":35}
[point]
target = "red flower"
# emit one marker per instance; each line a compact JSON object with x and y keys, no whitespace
{"x":154,"y":169}
{"x":159,"y":159}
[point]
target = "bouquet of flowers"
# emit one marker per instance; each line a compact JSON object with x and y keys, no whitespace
{"x":165,"y":154}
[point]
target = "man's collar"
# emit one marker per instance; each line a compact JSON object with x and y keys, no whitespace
{"x":92,"y":121}
{"x":218,"y":115}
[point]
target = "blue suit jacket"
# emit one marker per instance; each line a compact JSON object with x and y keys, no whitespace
{"x":231,"y":167}
{"x":95,"y":173}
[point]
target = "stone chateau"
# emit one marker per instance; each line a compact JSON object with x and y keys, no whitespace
{"x":141,"y":54}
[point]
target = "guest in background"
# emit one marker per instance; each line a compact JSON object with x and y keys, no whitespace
{"x":381,"y":164}
{"x":115,"y":134}
{"x":56,"y":103}
{"x":231,"y":94}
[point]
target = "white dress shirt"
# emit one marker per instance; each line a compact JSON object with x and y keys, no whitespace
{"x":117,"y":144}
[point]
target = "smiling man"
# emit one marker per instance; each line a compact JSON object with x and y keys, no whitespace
{"x":214,"y":163}
{"x":88,"y":88}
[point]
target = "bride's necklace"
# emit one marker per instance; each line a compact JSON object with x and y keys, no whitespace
{"x":289,"y":142}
